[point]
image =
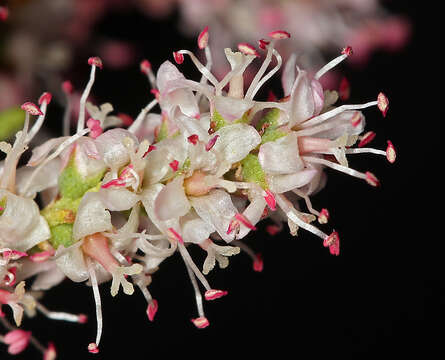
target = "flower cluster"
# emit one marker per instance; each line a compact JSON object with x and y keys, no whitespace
{"x":116,"y":202}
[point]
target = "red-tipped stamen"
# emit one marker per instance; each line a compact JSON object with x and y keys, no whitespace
{"x":213,"y":294}
{"x":333,"y":242}
{"x":93,"y":348}
{"x":152,"y":309}
{"x":279,"y":34}
{"x":382,"y":103}
{"x":371,"y":179}
{"x":179,"y":58}
{"x":262,"y":44}
{"x":45,"y":97}
{"x":258,"y":264}
{"x":31,"y":108}
{"x":95,"y":61}
{"x":203,"y":38}
{"x":324,"y":216}
{"x":367,"y":138}
{"x":247,"y":49}
{"x":200,"y":322}
{"x":145,"y":66}
{"x":347,"y":51}
{"x":67,"y":87}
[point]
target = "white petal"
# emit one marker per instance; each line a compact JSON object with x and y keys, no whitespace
{"x":194,"y":229}
{"x":341,"y":124}
{"x":281,"y":156}
{"x":171,"y":202}
{"x":236,"y":141}
{"x":72,"y":263}
{"x":216,"y":209}
{"x":302,"y":105}
{"x":48,"y":279}
{"x":21,"y":225}
{"x":46,"y":178}
{"x":118,"y":199}
{"x":92,"y":217}
{"x":40,"y":152}
{"x":288,"y":76}
{"x":231,"y":108}
{"x":253,"y":213}
{"x":283,"y":183}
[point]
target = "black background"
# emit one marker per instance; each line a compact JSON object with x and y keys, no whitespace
{"x":384,"y":294}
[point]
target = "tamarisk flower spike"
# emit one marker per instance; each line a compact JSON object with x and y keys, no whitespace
{"x":248,"y":49}
{"x":31,"y":108}
{"x":200,"y":322}
{"x":203,"y":38}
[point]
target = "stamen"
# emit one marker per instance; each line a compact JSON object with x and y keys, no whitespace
{"x":371,"y":179}
{"x":94,"y":62}
{"x":333,"y":63}
{"x":94,"y":347}
{"x":279,"y":34}
{"x":55,"y":315}
{"x":95,"y":127}
{"x":199,"y":322}
{"x":201,"y":68}
{"x":141,"y":117}
{"x":188,"y":260}
{"x":338,"y":110}
{"x":31,"y":108}
{"x":193,"y":139}
{"x":152,"y":309}
{"x":324,"y":216}
{"x":333,"y":241}
{"x":150,"y":149}
{"x":145,"y":67}
{"x":213,"y":294}
{"x":179,"y":58}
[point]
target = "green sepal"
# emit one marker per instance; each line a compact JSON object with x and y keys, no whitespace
{"x":252,"y":171}
{"x":62,"y":235}
{"x":72,"y":185}
{"x":218,"y":120}
{"x":163,"y":131}
{"x":272,"y":132}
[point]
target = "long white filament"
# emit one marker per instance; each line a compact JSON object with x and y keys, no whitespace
{"x":198,"y":296}
{"x":97,"y":300}
{"x":141,"y":117}
{"x":335,"y":166}
{"x":83,"y":99}
{"x":57,"y":315}
{"x":331,"y":64}
{"x":189,"y":261}
{"x":201,"y":68}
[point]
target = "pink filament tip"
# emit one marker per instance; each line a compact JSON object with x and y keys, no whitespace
{"x":258,"y":263}
{"x":333,"y":242}
{"x":213,"y":294}
{"x":347,"y":51}
{"x":152,"y":309}
{"x":93,"y":348}
{"x":145,"y":66}
{"x":324,"y":216}
{"x":67,"y":87}
{"x":200,"y":322}
{"x":31,"y":108}
{"x":156,"y":93}
{"x":371,"y":179}
{"x":279,"y":34}
{"x":247,"y":49}
{"x":179,"y":58}
{"x":262,"y":43}
{"x":203,"y":38}
{"x":95,"y":61}
{"x":45,"y":97}
{"x":82,"y":318}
